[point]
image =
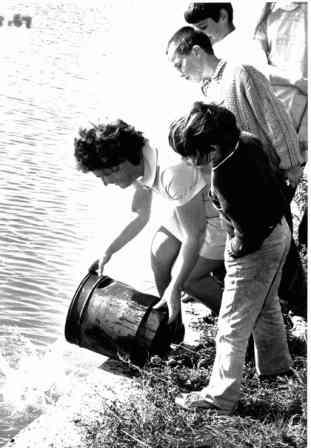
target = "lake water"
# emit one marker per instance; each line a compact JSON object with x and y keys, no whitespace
{"x":78,"y":63}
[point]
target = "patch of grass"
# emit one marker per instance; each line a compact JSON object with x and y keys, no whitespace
{"x":272,"y":412}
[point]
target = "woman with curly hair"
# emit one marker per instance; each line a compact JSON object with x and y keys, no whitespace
{"x":187,"y":250}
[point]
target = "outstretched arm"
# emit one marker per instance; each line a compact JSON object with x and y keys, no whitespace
{"x":141,"y":206}
{"x":192,"y":221}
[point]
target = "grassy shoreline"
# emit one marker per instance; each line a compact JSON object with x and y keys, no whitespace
{"x":271,"y":413}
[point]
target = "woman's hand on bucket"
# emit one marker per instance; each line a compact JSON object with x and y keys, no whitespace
{"x":94,"y":267}
{"x":102,"y":263}
{"x":171,"y":298}
{"x":98,"y":266}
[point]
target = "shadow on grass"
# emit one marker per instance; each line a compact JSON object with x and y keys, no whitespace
{"x":267,"y":412}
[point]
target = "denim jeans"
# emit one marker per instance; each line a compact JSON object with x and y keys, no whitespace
{"x":250,"y":304}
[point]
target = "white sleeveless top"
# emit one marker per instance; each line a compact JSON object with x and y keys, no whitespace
{"x":179,"y":183}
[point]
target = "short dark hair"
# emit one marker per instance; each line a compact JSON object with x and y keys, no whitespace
{"x":205,"y":125}
{"x":108,"y":145}
{"x":186,"y":37}
{"x":196,"y":12}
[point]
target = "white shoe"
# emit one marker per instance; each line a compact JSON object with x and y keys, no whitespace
{"x":194,"y":400}
{"x":299,"y":328}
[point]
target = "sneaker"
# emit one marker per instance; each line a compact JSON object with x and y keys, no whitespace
{"x":299,"y":328}
{"x":194,"y":400}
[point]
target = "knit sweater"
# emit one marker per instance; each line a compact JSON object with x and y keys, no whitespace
{"x":248,"y":194}
{"x":248,"y":95}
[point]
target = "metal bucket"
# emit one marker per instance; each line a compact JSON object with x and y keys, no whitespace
{"x":112,"y":318}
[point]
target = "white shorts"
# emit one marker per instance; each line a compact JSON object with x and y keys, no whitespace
{"x":213,"y":246}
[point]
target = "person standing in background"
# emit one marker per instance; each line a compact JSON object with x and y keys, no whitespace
{"x":216,"y":21}
{"x":282,"y":34}
{"x":279,"y":49}
{"x":281,"y":31}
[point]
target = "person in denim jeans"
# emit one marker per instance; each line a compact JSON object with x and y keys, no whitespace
{"x":247,"y":193}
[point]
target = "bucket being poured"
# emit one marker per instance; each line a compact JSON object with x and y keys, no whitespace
{"x":113,"y":319}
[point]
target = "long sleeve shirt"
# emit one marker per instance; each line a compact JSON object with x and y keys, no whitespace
{"x":282,"y":34}
{"x":247,"y":193}
{"x":248,"y":95}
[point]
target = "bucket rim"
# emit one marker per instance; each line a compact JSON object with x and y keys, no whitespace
{"x":78,"y":305}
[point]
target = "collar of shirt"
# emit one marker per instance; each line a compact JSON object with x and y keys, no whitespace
{"x":214,"y":167}
{"x":215,"y":76}
{"x":150,"y":156}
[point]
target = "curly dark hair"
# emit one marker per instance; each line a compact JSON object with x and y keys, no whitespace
{"x":206,"y":125}
{"x":108,"y":145}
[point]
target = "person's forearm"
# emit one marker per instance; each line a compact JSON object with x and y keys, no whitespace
{"x":132,"y":229}
{"x":185,"y":262}
{"x":281,"y":77}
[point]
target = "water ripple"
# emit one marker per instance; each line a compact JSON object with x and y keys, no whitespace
{"x":46,"y":215}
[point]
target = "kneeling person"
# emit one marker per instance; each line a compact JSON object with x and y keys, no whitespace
{"x":190,"y":245}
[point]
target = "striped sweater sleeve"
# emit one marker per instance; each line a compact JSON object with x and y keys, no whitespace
{"x":261,"y":113}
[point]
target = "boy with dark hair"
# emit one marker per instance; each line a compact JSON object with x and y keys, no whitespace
{"x":245,"y":190}
{"x":229,"y":42}
{"x":215,"y":19}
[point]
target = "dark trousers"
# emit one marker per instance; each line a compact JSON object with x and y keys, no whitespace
{"x":293,"y":286}
{"x":303,"y":228}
